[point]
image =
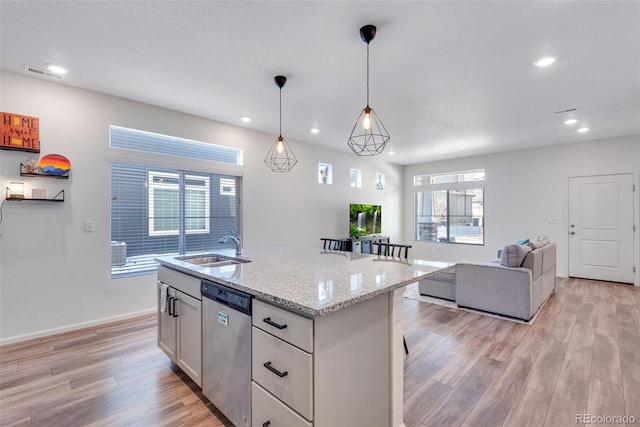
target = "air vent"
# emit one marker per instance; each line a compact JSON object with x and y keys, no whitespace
{"x":568,"y":110}
{"x":42,"y":73}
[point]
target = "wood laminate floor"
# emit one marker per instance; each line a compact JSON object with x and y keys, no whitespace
{"x":581,"y":356}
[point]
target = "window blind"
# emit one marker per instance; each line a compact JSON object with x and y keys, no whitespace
{"x":157,"y":212}
{"x":150,"y":142}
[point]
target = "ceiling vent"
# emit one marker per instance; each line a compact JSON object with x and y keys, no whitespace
{"x":568,"y":110}
{"x":42,"y":73}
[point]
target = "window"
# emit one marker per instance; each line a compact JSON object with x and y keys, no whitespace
{"x":325,"y":173}
{"x":451,"y":177}
{"x":379,"y":181}
{"x":450,"y":207}
{"x":148,"y":142}
{"x":164,"y":203}
{"x":355,"y":178}
{"x":159,"y":211}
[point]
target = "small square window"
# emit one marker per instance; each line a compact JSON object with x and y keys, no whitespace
{"x":355,"y":178}
{"x":325,"y":173}
{"x":379,"y":181}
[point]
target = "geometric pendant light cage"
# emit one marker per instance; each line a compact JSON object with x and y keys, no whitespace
{"x":369,"y":136}
{"x":280,"y":157}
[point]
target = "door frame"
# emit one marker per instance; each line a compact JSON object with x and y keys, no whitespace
{"x":635,"y":216}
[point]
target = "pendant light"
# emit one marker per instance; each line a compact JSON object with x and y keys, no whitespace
{"x":369,"y":136}
{"x":280,"y":157}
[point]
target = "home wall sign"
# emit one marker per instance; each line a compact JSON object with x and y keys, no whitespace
{"x":20,"y":133}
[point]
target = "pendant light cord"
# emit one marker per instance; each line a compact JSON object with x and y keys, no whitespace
{"x":367,"y":74}
{"x":280,"y":112}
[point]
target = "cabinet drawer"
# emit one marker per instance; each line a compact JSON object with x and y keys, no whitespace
{"x":298,"y":330}
{"x":293,"y":385}
{"x":265,"y":407}
{"x":183,"y":282}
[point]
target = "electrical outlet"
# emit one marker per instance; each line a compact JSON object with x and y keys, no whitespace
{"x":89,"y":226}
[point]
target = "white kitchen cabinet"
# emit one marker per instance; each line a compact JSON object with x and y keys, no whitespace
{"x":167,"y":331}
{"x":264,"y":406}
{"x":326,"y":370}
{"x":295,"y":366}
{"x":284,"y":324}
{"x":180,"y":327}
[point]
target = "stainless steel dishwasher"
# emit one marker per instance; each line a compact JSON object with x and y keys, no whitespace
{"x":226,"y":351}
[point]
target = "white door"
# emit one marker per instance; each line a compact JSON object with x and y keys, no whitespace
{"x":601,"y":228}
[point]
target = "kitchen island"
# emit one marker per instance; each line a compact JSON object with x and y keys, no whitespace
{"x":351,"y":305}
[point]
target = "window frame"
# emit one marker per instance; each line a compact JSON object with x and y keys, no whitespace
{"x":181,"y":177}
{"x":325,"y":173}
{"x":466,"y":185}
{"x":133,"y":154}
{"x":355,"y":178}
{"x":379,"y":182}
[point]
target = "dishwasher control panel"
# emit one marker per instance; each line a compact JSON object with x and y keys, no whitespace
{"x":235,"y":299}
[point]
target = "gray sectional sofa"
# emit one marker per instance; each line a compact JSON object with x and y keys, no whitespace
{"x":516,"y":286}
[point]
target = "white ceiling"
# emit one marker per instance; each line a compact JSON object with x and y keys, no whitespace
{"x":448,"y":78}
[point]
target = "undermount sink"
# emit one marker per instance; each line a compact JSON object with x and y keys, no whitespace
{"x":211,"y":260}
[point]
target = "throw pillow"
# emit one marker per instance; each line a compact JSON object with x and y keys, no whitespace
{"x":539,"y":242}
{"x":513,"y":255}
{"x":542,"y":241}
{"x":522,"y":242}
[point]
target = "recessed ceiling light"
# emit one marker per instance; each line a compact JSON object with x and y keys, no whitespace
{"x":315,"y":130}
{"x":583,"y":130}
{"x":56,"y":69}
{"x":571,"y":122}
{"x":544,"y":62}
{"x":246,"y":119}
{"x":391,"y":153}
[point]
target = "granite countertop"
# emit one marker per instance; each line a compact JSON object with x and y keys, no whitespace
{"x":312,"y":281}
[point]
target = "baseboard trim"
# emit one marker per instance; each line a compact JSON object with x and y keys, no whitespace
{"x":76,"y":326}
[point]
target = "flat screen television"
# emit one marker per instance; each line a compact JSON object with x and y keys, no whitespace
{"x":364,"y":219}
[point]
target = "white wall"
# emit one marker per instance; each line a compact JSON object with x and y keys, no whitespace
{"x":55,"y":277}
{"x":525,"y":192}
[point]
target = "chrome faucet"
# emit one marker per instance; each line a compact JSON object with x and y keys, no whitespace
{"x":236,"y":239}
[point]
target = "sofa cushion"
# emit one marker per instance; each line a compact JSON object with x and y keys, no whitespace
{"x":513,"y":255}
{"x":548,"y":257}
{"x":440,"y":285}
{"x":533,"y":261}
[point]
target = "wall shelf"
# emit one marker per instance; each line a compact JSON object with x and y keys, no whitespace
{"x":57,"y":198}
{"x":39,"y":173}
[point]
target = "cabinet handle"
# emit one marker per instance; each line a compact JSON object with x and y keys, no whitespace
{"x":175,"y":312}
{"x":275,"y":371}
{"x":268,"y":321}
{"x":170,"y":305}
{"x":266,"y":424}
